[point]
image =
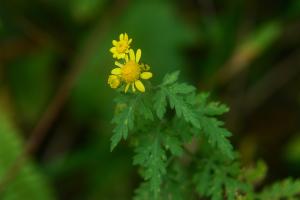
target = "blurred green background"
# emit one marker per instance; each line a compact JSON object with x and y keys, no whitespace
{"x":54,"y":64}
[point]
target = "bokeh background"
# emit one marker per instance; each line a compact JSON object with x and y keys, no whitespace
{"x":55,"y":103}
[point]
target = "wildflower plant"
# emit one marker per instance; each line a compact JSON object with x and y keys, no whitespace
{"x":180,"y":144}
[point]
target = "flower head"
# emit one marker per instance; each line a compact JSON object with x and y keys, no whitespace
{"x":121,"y":47}
{"x":132,"y":71}
{"x":129,"y":70}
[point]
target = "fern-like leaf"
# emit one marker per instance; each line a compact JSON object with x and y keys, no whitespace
{"x":177,"y":95}
{"x":160,"y":103}
{"x":286,"y":189}
{"x":152,"y":157}
{"x":217,"y":135}
{"x":212,"y":127}
{"x":218,"y":179}
{"x":123,"y":120}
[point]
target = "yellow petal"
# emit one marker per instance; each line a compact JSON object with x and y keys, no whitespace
{"x":114,"y":42}
{"x":113,"y":81}
{"x":133,"y":88}
{"x":131,"y":54}
{"x":113,"y":49}
{"x":126,"y":58}
{"x":139,"y":85}
{"x":121,"y":36}
{"x":127,"y":87}
{"x":126,"y":36}
{"x":138,"y":55}
{"x":146,"y":75}
{"x":130,"y":40}
{"x":116,"y":71}
{"x":119,"y":64}
{"x":121,"y":55}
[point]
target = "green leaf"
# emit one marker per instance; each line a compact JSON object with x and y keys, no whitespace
{"x":286,"y":189}
{"x":217,"y":135}
{"x":183,"y":108}
{"x":178,"y":95}
{"x":124,"y":121}
{"x":182,"y":88}
{"x":138,"y":106}
{"x":171,"y":78}
{"x":160,"y":103}
{"x":210,"y":108}
{"x":213,"y":128}
{"x":173,"y":144}
{"x":215,"y":108}
{"x":143,"y":192}
{"x":152,"y":157}
{"x":144,"y":108}
{"x":216,"y":178}
{"x":177,"y":185}
{"x":256,"y":173}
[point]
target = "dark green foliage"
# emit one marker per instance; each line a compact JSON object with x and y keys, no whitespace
{"x":159,"y":142}
{"x":177,"y":185}
{"x":255,"y":174}
{"x":244,"y":52}
{"x":29,"y":183}
{"x":124,"y":119}
{"x":218,"y":178}
{"x":163,"y":121}
{"x":286,"y":189}
{"x":176,"y":94}
{"x":143,"y":192}
{"x":160,"y":103}
{"x":212,"y":127}
{"x":217,"y":136}
{"x":173,"y":144}
{"x":152,"y":157}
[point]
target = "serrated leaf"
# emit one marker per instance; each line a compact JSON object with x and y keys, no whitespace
{"x":215,"y":108}
{"x":144,"y":109}
{"x":152,"y":157}
{"x":217,"y":135}
{"x":182,"y":88}
{"x":171,"y":78}
{"x":173,"y":144}
{"x":142,"y":192}
{"x":183,"y":108}
{"x":160,"y":103}
{"x":202,"y":98}
{"x":123,"y":121}
{"x":212,"y":108}
{"x":176,"y":184}
{"x":256,"y":173}
{"x":218,"y":180}
{"x":286,"y":189}
{"x":177,"y":95}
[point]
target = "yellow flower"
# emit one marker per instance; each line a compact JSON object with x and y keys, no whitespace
{"x":121,"y":47}
{"x":132,"y":71}
{"x":113,"y":81}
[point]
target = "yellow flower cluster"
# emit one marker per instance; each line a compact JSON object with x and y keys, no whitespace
{"x":129,"y":70}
